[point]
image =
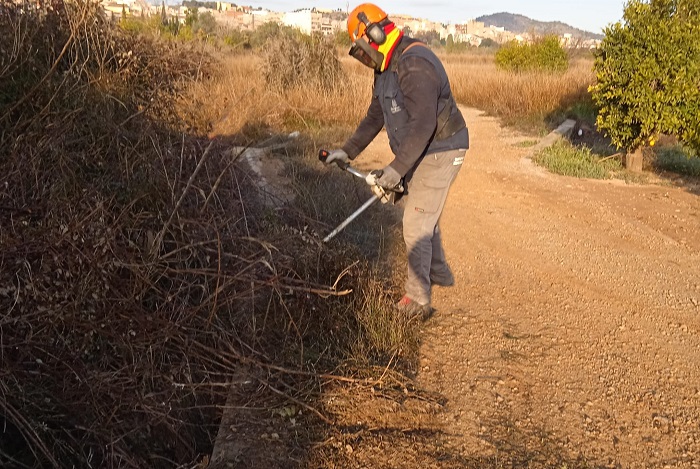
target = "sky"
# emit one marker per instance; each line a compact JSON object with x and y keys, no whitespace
{"x":590,"y":15}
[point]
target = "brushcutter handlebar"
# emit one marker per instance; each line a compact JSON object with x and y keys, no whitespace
{"x":323,"y":156}
{"x":379,"y":193}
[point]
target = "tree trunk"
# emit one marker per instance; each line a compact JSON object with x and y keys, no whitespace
{"x":634,"y":161}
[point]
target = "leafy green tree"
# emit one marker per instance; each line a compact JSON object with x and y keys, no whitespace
{"x":140,"y":25}
{"x":191,"y":17}
{"x":455,"y":47}
{"x":171,"y":27}
{"x":544,"y":54}
{"x":237,"y":39}
{"x":488,"y":43}
{"x":264,"y":32}
{"x":272,"y":30}
{"x":206,"y":24}
{"x":648,"y":74}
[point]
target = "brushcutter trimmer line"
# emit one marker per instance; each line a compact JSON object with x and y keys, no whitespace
{"x":380,"y":193}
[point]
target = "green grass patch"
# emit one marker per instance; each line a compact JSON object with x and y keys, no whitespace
{"x":583,"y":110}
{"x":679,"y":160}
{"x":526,"y":144}
{"x":568,"y":160}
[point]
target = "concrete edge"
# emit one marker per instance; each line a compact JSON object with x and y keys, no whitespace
{"x":561,"y":132}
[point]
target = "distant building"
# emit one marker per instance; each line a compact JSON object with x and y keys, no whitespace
{"x":414,"y":25}
{"x":327,"y":21}
{"x":475,"y":27}
{"x":248,"y":19}
{"x":223,"y":7}
{"x":115,"y":8}
{"x":261,"y":17}
{"x":307,"y":21}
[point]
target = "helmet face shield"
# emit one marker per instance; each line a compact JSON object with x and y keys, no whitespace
{"x":362,"y":51}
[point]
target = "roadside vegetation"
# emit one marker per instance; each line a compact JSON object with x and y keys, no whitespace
{"x":648,"y":75}
{"x":534,"y":101}
{"x":568,"y":160}
{"x":678,"y":159}
{"x":139,"y":270}
{"x":545,"y":54}
{"x":645,"y":93}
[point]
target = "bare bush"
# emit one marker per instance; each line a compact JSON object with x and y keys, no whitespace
{"x":137,"y":271}
{"x":133,"y":278}
{"x":293,"y":61}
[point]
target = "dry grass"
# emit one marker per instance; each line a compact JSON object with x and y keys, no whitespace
{"x":293,"y":60}
{"x":239,"y":94}
{"x":137,"y":270}
{"x":533,"y":101}
{"x":530,"y":100}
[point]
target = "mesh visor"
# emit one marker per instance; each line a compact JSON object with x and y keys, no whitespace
{"x":362,"y":51}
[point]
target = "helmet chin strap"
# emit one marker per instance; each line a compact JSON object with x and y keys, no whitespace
{"x":393,"y":36}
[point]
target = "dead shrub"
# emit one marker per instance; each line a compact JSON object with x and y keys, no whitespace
{"x":292,"y":61}
{"x":137,"y":271}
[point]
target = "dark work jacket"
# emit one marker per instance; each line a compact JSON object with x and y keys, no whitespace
{"x":407,"y":100}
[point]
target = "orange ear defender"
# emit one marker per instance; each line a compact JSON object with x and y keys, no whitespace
{"x":367,"y":20}
{"x":374,"y":31}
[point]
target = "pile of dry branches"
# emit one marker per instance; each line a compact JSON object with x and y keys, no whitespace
{"x":134,"y":271}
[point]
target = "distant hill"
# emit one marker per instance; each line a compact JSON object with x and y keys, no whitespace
{"x":520,"y":24}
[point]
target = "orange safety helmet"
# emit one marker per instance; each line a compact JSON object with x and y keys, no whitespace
{"x":367,"y":19}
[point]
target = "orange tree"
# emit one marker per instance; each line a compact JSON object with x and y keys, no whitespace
{"x":648,"y":74}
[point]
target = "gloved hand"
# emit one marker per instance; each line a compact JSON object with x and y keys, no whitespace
{"x":338,"y":157}
{"x":388,"y":178}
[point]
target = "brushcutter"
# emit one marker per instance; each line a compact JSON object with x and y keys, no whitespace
{"x":380,"y":193}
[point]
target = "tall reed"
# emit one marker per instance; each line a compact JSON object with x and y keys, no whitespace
{"x":524,"y":99}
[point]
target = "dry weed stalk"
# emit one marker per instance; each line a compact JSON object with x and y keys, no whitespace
{"x":137,"y":270}
{"x":106,"y":348}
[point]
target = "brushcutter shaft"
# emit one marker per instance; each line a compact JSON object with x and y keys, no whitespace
{"x":380,"y":193}
{"x":350,"y":219}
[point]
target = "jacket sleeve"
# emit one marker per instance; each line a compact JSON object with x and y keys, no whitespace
{"x":420,"y":85}
{"x":370,"y":126}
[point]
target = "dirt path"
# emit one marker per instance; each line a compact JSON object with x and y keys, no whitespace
{"x":572,"y":337}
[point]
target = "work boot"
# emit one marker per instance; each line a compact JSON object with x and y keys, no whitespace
{"x":412,"y":309}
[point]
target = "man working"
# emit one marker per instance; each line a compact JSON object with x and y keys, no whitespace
{"x":428,"y":137}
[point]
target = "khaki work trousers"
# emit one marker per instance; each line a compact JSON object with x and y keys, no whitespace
{"x":427,"y":192}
